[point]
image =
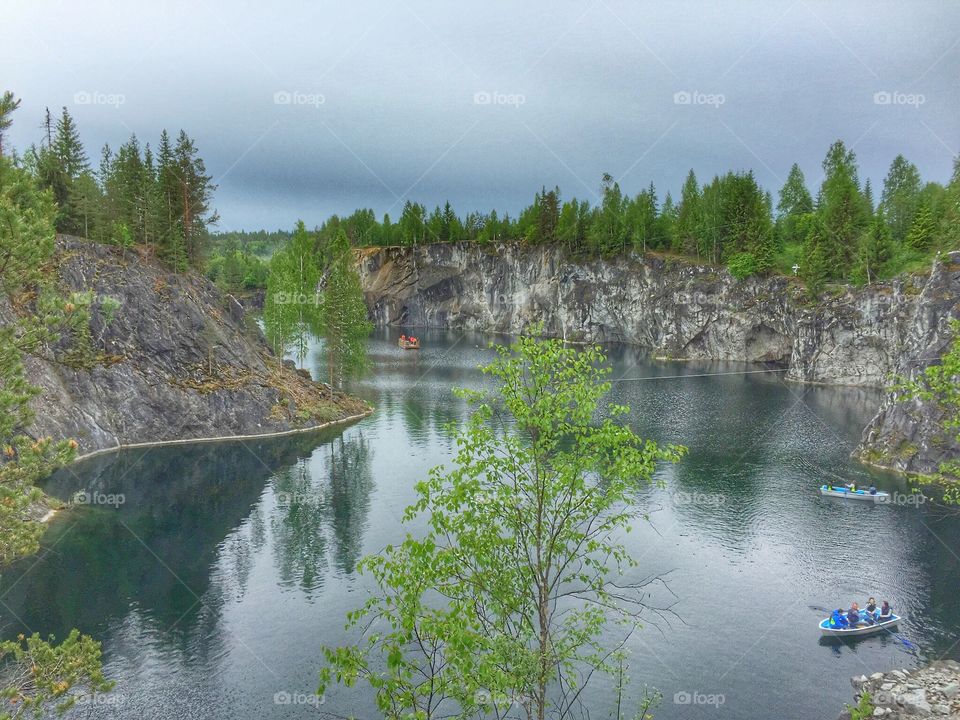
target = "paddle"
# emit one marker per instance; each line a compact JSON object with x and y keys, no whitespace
{"x":906,"y":643}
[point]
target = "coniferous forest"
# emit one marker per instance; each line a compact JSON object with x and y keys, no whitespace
{"x":840,"y":230}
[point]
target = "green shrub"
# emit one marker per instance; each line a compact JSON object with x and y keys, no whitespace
{"x":743,"y":265}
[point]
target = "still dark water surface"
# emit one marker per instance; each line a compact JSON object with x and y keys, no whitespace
{"x":227,"y":566}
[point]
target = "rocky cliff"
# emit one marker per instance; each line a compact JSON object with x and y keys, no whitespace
{"x":929,"y":691}
{"x":855,"y":336}
{"x":168,"y":357}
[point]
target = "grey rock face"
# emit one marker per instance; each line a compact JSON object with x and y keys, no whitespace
{"x":178,"y":360}
{"x":928,"y":691}
{"x":679,"y":309}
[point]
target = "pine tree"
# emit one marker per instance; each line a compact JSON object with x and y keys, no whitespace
{"x":69,"y":162}
{"x":641,"y":220}
{"x":128,"y":187}
{"x":195,"y":193}
{"x":449,"y":224}
{"x":412,"y":223}
{"x":794,"y":203}
{"x":815,"y":268}
{"x":608,"y":229}
{"x":949,"y":228}
{"x":166,"y":194}
{"x":549,"y":216}
{"x":688,"y":217}
{"x":842,"y":210}
{"x":901,"y":197}
{"x":667,"y":224}
{"x":27,"y":232}
{"x":232,"y":271}
{"x":876,"y":247}
{"x":8,"y":104}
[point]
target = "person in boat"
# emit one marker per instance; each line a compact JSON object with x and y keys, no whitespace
{"x":873,"y":489}
{"x":853,"y":615}
{"x":403,"y":338}
{"x":852,"y":486}
{"x":871,"y":606}
{"x":870,"y":612}
{"x":886,"y":612}
{"x":837,"y":620}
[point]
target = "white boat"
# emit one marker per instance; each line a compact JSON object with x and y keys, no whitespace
{"x":860,"y":630}
{"x":845,"y":492}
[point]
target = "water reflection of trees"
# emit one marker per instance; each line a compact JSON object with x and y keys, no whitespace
{"x":158,"y":550}
{"x":351,"y":482}
{"x":321,"y":504}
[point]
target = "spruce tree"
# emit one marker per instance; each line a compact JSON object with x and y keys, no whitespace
{"x":901,"y":197}
{"x":921,"y":234}
{"x":815,"y":267}
{"x":842,"y":210}
{"x":70,"y":162}
{"x":688,"y":216}
{"x":949,"y":227}
{"x":876,"y":247}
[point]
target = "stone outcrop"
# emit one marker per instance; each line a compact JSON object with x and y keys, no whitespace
{"x":175,"y":360}
{"x":678,"y":309}
{"x":932,"y":691}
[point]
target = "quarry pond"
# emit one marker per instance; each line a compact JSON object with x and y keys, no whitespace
{"x":213,"y":573}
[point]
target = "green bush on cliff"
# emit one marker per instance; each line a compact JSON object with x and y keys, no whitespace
{"x":940,"y":384}
{"x":743,"y":265}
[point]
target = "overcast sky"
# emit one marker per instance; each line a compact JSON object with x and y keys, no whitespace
{"x":303,"y":109}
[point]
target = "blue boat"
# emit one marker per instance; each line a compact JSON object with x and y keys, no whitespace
{"x":860,"y":629}
{"x":845,"y":492}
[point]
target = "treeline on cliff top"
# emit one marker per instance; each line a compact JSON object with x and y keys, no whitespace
{"x":843,"y":233}
{"x":163,"y":199}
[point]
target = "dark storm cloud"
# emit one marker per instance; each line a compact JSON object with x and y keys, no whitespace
{"x":301,"y":110}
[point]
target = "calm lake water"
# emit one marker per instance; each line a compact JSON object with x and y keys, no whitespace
{"x":227,"y":566}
